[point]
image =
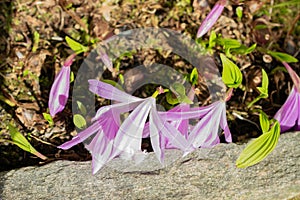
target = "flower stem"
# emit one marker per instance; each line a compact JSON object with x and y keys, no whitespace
{"x":228,"y":94}
{"x":253,"y":102}
{"x":158,"y":91}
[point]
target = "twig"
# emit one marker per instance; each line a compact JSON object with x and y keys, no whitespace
{"x":74,"y":16}
{"x":42,"y":141}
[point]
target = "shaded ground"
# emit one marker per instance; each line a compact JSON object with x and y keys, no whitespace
{"x":28,"y":65}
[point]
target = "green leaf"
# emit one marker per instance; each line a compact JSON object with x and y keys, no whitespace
{"x":179,"y":90}
{"x":26,"y":72}
{"x":19,"y":140}
{"x":287,"y":3}
{"x":75,"y":46}
{"x":231,"y":74}
{"x":259,"y":148}
{"x":263,"y":89}
{"x":194,"y":76}
{"x":264,"y":122}
{"x":185,"y":99}
{"x":212,"y":39}
{"x":244,"y":50}
{"x":171,"y":98}
{"x":239,"y":12}
{"x":250,"y":49}
{"x":283,"y":57}
{"x":121,"y":78}
{"x":48,"y":118}
{"x":260,"y":26}
{"x":177,"y":95}
{"x":81,"y":107}
{"x":71,"y":77}
{"x":278,"y":68}
{"x":229,"y":43}
{"x":79,"y":121}
{"x":264,"y":86}
{"x":36,"y":40}
{"x":7,"y":101}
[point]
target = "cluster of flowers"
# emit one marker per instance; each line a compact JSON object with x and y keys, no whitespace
{"x":167,"y":130}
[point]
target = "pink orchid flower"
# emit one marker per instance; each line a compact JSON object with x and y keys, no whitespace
{"x":205,"y":132}
{"x":124,"y":139}
{"x":170,"y":129}
{"x":59,"y":92}
{"x":289,"y":114}
{"x":211,"y":18}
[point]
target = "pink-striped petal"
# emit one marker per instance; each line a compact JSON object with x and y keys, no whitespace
{"x":80,"y":137}
{"x":224,"y":125}
{"x":108,"y":91}
{"x":129,"y":137}
{"x":116,"y":108}
{"x":160,"y":130}
{"x":206,"y":131}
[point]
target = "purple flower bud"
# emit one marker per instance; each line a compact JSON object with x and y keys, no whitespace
{"x":289,"y":113}
{"x":211,"y":18}
{"x":59,"y":92}
{"x":106,"y":60}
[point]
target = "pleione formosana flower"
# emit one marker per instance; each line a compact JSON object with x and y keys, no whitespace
{"x":59,"y":92}
{"x":289,"y":113}
{"x":211,"y":18}
{"x":114,"y":136}
{"x":205,"y":133}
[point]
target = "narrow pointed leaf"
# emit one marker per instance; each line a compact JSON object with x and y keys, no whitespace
{"x":259,"y":148}
{"x":265,"y":84}
{"x":81,"y":107}
{"x":194,"y":76}
{"x":229,"y":43}
{"x":212,"y":39}
{"x":19,"y":140}
{"x":264,"y":122}
{"x":72,"y":77}
{"x":283,"y":57}
{"x":48,"y":118}
{"x":76,"y":46}
{"x":243,"y":49}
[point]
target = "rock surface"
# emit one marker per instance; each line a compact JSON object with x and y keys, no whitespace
{"x":204,"y":174}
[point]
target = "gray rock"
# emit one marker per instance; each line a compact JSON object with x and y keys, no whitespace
{"x":204,"y":174}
